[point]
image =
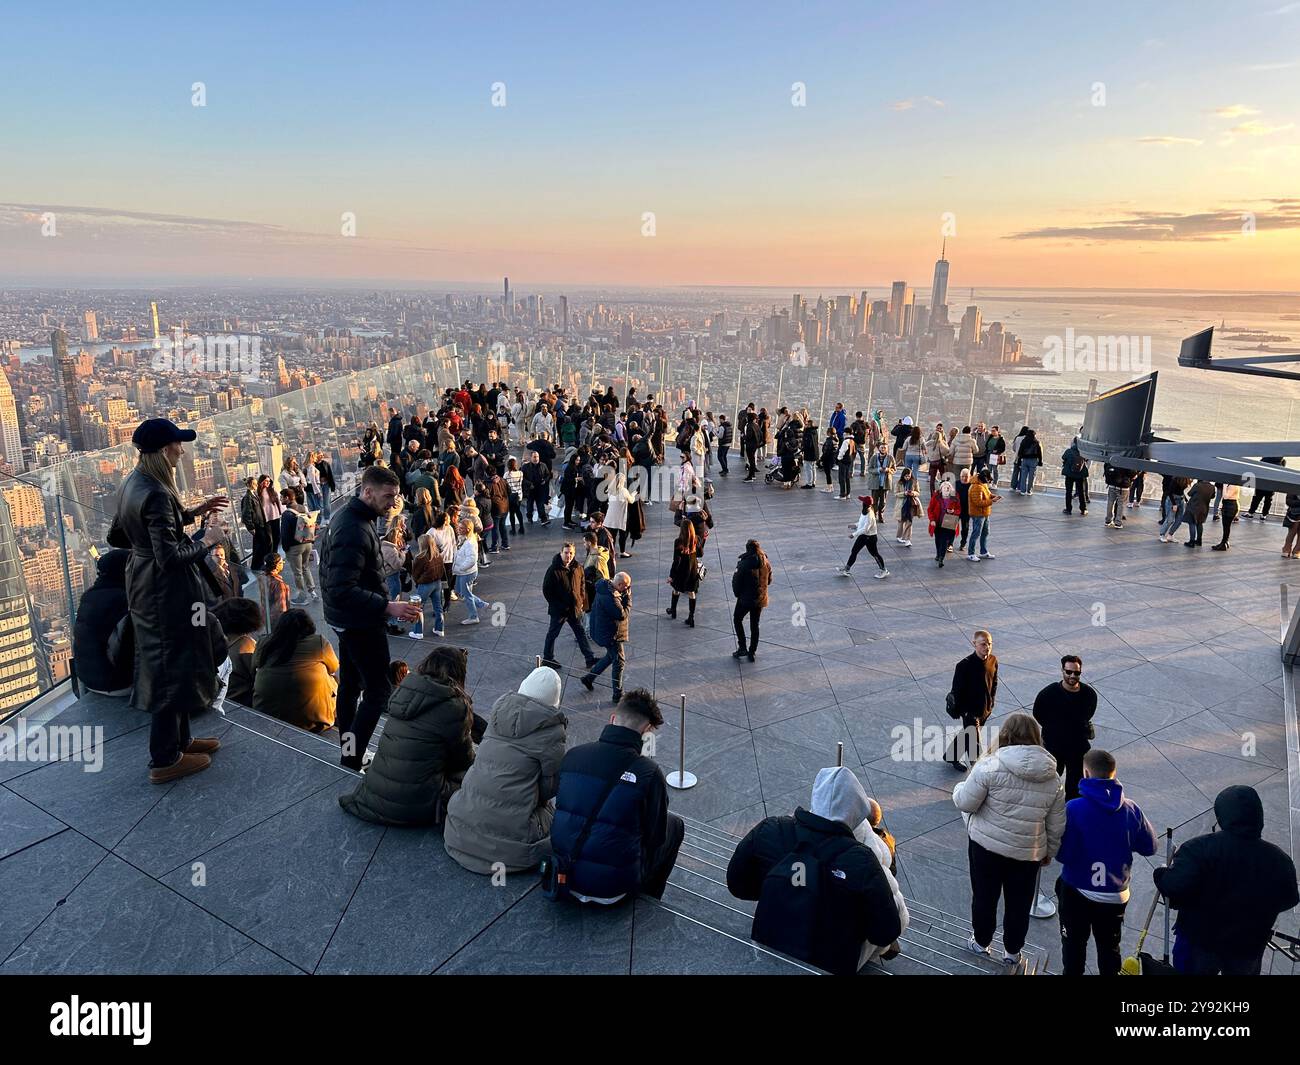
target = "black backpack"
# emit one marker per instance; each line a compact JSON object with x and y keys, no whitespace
{"x":792,"y":914}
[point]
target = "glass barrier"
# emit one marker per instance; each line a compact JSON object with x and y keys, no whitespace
{"x":54,"y":521}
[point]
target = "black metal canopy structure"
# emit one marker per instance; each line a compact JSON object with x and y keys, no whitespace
{"x":1117,"y":429}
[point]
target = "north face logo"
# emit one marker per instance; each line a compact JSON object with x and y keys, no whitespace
{"x":629,"y":776}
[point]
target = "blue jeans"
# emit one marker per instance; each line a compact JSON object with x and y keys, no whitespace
{"x":325,"y":503}
{"x":394,"y":582}
{"x":1028,"y":467}
{"x":499,"y":532}
{"x":1174,"y":518}
{"x":979,"y":532}
{"x":465,"y":589}
{"x":914,"y":464}
{"x":613,"y":656}
{"x":431,"y":592}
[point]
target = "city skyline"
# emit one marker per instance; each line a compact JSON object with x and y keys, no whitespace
{"x":1112,"y":148}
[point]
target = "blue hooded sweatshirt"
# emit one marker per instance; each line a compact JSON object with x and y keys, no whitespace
{"x":1103,"y":830}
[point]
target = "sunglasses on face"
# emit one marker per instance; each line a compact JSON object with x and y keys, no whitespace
{"x":1073,"y":672}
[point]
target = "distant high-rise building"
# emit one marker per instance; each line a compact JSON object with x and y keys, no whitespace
{"x":939,"y":290}
{"x":878,"y":319}
{"x":508,"y":306}
{"x":91,"y":331}
{"x":969,"y":334}
{"x":11,"y":441}
{"x":67,"y":368}
{"x":564,"y":315}
{"x":900,"y":296}
{"x":19,"y":668}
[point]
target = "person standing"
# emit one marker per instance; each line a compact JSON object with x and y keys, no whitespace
{"x":865,"y":535}
{"x":980,"y":501}
{"x":564,"y":588}
{"x":844,"y":461}
{"x":610,"y":614}
{"x":1074,"y":471}
{"x":175,"y":667}
{"x":357,"y":608}
{"x":1264,"y":497}
{"x":1014,"y":810}
{"x":1231,"y":497}
{"x":684,"y":576}
{"x":808,"y":451}
{"x":1029,"y":456}
{"x":1198,"y":509}
{"x":1118,"y":481}
{"x":725,"y":434}
{"x":1103,"y":830}
{"x":995,"y":448}
{"x":970,"y":699}
{"x":1173,"y":506}
{"x":908,"y":505}
{"x":880,"y":471}
{"x":1229,"y":887}
{"x":1064,"y":712}
{"x":749,"y":584}
{"x":749,"y":441}
{"x":1291,"y":545}
{"x":253,"y":518}
{"x":944,"y":513}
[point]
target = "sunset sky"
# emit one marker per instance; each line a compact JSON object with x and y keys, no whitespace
{"x":913,"y":110}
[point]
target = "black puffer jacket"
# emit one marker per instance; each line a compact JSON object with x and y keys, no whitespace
{"x":174,"y":671}
{"x":1230,"y":886}
{"x":425,"y":743}
{"x":103,"y":644}
{"x":353,"y":592}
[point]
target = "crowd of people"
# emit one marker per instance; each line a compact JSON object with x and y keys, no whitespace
{"x":427,"y":517}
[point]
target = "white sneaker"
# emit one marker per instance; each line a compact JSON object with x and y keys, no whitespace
{"x":415,"y":636}
{"x":906,"y":543}
{"x":974,"y":947}
{"x":439,"y":632}
{"x":972,"y":558}
{"x":1012,"y":960}
{"x":470,"y":621}
{"x":988,"y":554}
{"x":843,"y":571}
{"x":881,"y":574}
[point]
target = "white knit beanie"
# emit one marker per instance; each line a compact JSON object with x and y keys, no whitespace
{"x":542,"y":684}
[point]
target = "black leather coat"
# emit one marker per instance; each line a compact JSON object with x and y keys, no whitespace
{"x":175,"y":660}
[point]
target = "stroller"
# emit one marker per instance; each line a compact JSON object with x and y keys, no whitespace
{"x":782,"y":471}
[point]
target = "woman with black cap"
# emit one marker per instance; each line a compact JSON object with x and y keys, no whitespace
{"x":175,"y":666}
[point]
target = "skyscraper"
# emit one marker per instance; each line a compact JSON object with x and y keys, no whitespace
{"x":508,"y":307}
{"x":900,"y":296}
{"x":68,"y":377}
{"x":971,"y":327}
{"x":564,"y":315}
{"x":11,"y":441}
{"x":91,"y":331}
{"x":939,"y":290}
{"x":20,"y":680}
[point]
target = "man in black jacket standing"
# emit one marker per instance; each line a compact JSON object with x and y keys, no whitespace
{"x":1229,"y":887}
{"x":725,"y":433}
{"x":749,"y":584}
{"x":356,"y":607}
{"x":855,"y":908}
{"x":1064,"y":710}
{"x":565,"y":590}
{"x":612,"y":834}
{"x":537,"y":485}
{"x":974,"y":689}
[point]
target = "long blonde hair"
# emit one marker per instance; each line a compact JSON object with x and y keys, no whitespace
{"x":155,"y":464}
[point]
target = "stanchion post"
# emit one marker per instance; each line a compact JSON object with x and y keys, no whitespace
{"x":1169,"y":860}
{"x":681,"y":780}
{"x":839,"y":754}
{"x":1043,"y":906}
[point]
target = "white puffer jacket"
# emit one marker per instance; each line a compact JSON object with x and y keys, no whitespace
{"x":864,"y":835}
{"x":1014,"y":803}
